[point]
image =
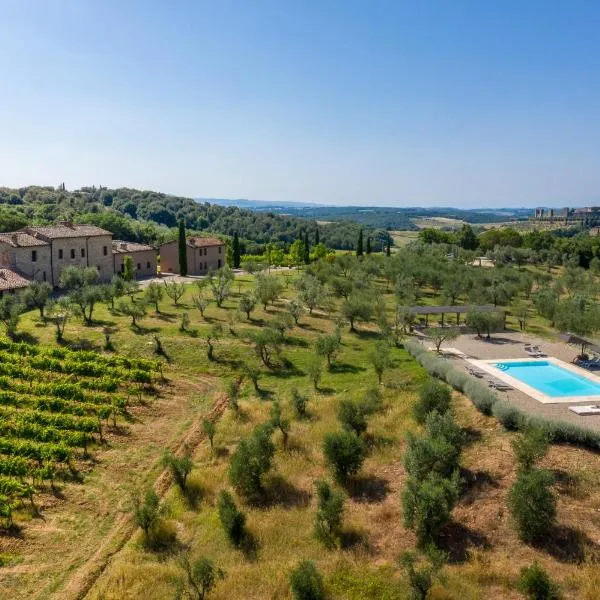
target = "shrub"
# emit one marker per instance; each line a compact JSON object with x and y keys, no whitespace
{"x":444,"y":426}
{"x":344,"y":453}
{"x":314,"y":371}
{"x":330,"y":511}
{"x":146,"y":512}
{"x":210,"y":429}
{"x":201,"y":577}
{"x":432,"y":396}
{"x":457,"y":379}
{"x":306,"y":582}
{"x":532,"y":504}
{"x":352,"y":417}
{"x":372,"y":401}
{"x":426,"y":455}
{"x":428,"y":504}
{"x":232,"y":519}
{"x":251,"y":460}
{"x":299,"y":402}
{"x":535,"y":584}
{"x":530,"y":447}
{"x":421,"y":578}
{"x":481,"y":396}
{"x":511,"y":417}
{"x":179,"y":466}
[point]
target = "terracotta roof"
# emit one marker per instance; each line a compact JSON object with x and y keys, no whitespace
{"x":9,"y":280}
{"x":120,"y":247}
{"x":21,"y":239}
{"x":63,"y":229}
{"x":201,"y":242}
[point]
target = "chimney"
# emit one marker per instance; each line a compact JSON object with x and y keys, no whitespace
{"x":68,"y":224}
{"x":14,"y":239}
{"x":122,"y":245}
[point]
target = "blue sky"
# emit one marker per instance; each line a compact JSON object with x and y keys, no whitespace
{"x":462,"y":103}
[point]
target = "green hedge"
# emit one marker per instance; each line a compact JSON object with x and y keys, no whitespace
{"x":488,"y":402}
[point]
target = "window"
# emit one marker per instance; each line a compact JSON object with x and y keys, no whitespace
{"x":82,"y":252}
{"x":72,"y":252}
{"x":122,"y":267}
{"x":219,"y":261}
{"x":60,"y":253}
{"x":105,"y":250}
{"x":206,"y":266}
{"x":34,"y":256}
{"x":139,"y":266}
{"x":44,"y":275}
{"x":219,"y":249}
{"x":148,"y":265}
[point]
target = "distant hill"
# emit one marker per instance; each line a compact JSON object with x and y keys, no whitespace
{"x":151,"y":217}
{"x":384,"y":217}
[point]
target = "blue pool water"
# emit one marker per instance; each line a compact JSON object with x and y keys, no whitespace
{"x":550,"y":379}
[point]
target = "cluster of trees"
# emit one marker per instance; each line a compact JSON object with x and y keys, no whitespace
{"x":152,"y":217}
{"x":507,"y":245}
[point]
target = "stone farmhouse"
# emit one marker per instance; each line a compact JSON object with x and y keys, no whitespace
{"x":41,"y":253}
{"x":203,"y":255}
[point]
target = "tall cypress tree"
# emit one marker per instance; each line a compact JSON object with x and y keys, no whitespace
{"x":306,"y":249}
{"x":388,"y":248}
{"x":368,"y":244}
{"x":236,"y":251}
{"x":182,"y":249}
{"x":317,"y":240}
{"x":359,"y":245}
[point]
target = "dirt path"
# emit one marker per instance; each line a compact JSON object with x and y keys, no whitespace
{"x":82,"y":581}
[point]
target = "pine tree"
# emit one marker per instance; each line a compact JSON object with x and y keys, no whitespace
{"x":317,"y":240}
{"x":306,"y":249}
{"x":236,"y":251}
{"x":182,"y":249}
{"x":368,"y":245}
{"x":359,"y":245}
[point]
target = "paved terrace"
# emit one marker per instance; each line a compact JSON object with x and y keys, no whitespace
{"x":511,"y":345}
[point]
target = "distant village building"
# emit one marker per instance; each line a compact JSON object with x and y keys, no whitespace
{"x":587,"y":215}
{"x":203,"y":255}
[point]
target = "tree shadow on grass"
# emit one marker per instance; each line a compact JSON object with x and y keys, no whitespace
{"x":221,"y":451}
{"x":193,"y":493}
{"x":569,"y":545}
{"x":365,"y":334}
{"x":25,"y":337}
{"x":290,"y":340}
{"x":339,"y":368}
{"x":367,"y":488}
{"x":141,"y":330}
{"x":169,"y":317}
{"x":473,"y":483}
{"x":471,"y":435}
{"x":374,"y":441}
{"x":568,"y":484}
{"x":280,"y":492}
{"x":249,"y":546}
{"x":352,"y":538}
{"x":264,"y":394}
{"x":456,"y":540}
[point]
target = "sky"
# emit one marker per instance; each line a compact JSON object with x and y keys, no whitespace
{"x":389,"y":103}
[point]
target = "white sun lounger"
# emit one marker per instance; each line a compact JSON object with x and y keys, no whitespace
{"x":590,"y":409}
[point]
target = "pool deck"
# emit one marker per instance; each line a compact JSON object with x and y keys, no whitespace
{"x":468,"y":349}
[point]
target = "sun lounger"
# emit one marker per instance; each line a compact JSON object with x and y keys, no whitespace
{"x":502,"y":387}
{"x":476,"y":373}
{"x":590,"y":409}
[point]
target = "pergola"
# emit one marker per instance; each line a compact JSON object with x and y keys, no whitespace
{"x":456,"y":310}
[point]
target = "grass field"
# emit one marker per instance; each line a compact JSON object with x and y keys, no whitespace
{"x":88,"y":524}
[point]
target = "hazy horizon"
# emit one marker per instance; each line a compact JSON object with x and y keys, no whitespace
{"x":382,"y":103}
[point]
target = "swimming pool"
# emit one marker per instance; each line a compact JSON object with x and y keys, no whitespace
{"x":550,"y":378}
